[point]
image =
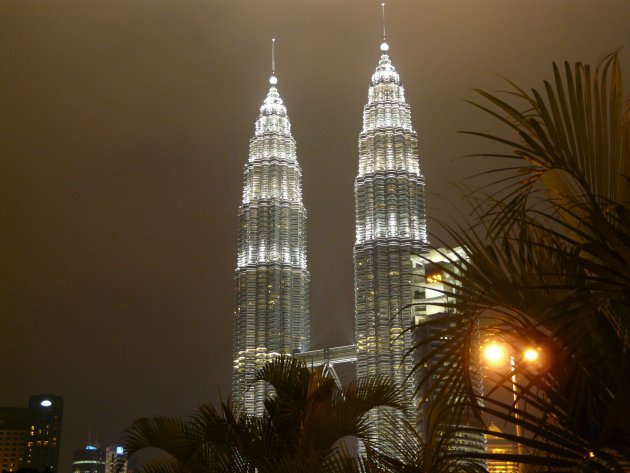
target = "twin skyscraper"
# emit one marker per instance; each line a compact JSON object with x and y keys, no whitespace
{"x":272,"y":282}
{"x":272,"y":279}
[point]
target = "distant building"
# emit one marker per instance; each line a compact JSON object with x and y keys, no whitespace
{"x":90,"y":459}
{"x":434,"y":286}
{"x":13,"y":428}
{"x":115,"y":461}
{"x":30,"y":437}
{"x":43,"y":438}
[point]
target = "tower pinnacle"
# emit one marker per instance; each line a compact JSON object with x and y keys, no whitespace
{"x":273,"y":80}
{"x":384,"y":45}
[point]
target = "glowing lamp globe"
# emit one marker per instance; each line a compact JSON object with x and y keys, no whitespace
{"x":494,"y":354}
{"x":530,"y":355}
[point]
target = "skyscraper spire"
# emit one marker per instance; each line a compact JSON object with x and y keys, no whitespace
{"x":390,"y":226}
{"x":383,"y":21}
{"x":384,"y":45}
{"x":273,"y":80}
{"x":271,"y":277}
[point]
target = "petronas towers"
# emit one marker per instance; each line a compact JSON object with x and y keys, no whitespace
{"x":390,"y":227}
{"x":271,"y":277}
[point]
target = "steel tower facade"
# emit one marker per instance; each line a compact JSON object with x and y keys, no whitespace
{"x":390,"y":227}
{"x":271,"y":278}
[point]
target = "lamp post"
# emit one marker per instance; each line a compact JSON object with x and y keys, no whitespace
{"x":496,"y":354}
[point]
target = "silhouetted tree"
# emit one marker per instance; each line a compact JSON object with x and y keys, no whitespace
{"x":302,"y":430}
{"x":548,"y":265}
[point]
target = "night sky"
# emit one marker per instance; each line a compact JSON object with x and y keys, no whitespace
{"x":124,"y":128}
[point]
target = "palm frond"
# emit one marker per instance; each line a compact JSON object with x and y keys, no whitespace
{"x":546,"y":263}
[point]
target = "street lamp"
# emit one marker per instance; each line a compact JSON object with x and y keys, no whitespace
{"x":496,"y":354}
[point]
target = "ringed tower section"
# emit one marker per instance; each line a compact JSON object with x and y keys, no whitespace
{"x":271,"y":279}
{"x":390,"y":227}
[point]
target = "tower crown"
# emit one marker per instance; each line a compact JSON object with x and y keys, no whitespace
{"x":389,"y":168}
{"x":273,"y":114}
{"x":385,"y":71}
{"x":386,"y":106}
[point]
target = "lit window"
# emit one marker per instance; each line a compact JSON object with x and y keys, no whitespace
{"x":434,"y":278}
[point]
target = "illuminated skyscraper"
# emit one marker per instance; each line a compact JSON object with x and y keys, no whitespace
{"x":115,"y":460}
{"x":390,"y":226}
{"x":90,"y":459}
{"x":272,"y":281}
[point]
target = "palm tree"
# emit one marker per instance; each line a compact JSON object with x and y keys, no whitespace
{"x":547,"y":264}
{"x":303,"y":428}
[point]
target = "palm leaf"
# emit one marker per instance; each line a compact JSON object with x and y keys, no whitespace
{"x":546,"y":263}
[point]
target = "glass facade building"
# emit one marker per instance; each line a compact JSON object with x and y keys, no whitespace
{"x":390,"y":227}
{"x":271,"y":278}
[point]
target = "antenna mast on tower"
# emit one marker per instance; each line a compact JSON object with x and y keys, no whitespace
{"x":383,"y":21}
{"x":273,"y":80}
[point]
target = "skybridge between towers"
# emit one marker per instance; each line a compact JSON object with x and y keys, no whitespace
{"x":329,"y":357}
